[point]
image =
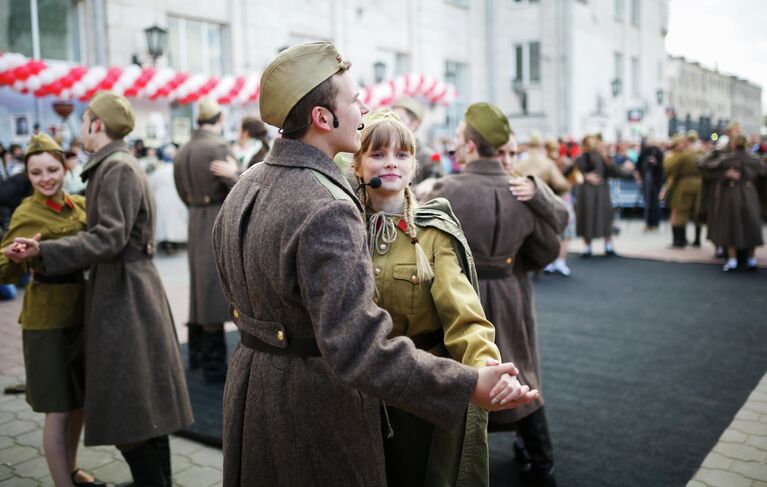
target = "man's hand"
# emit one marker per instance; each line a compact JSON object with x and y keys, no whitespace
{"x":523,"y":188}
{"x":497,"y":389}
{"x":23,"y":249}
{"x":733,"y":174}
{"x":225,"y":169}
{"x":593,"y":178}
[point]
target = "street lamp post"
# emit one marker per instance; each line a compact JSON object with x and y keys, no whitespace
{"x":659,"y":96}
{"x":617,"y":86}
{"x":156,"y":38}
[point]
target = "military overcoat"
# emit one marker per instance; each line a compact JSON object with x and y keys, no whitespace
{"x":508,"y":238}
{"x":737,"y":221}
{"x":593,"y":209}
{"x":134,"y":380}
{"x":203,"y":193}
{"x":291,"y":250}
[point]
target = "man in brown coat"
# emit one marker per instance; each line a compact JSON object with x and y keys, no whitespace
{"x":135,"y":391}
{"x":291,"y":250}
{"x":512,"y":226}
{"x":204,"y":192}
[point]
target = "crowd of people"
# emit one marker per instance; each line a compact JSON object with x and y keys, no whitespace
{"x":400,"y":367}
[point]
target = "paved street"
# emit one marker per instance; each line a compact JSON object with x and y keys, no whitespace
{"x":739,"y":459}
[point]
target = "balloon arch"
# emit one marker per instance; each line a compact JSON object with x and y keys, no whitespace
{"x":66,"y":81}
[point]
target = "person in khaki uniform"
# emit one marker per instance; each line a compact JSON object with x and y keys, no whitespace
{"x":203,"y":192}
{"x":539,"y":164}
{"x":291,"y":251}
{"x":425,"y":279}
{"x":135,"y":389}
{"x":52,"y":313}
{"x":512,"y":226}
{"x":682,"y":190}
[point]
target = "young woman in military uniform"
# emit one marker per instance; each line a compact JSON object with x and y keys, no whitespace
{"x":425,"y":279}
{"x":52,"y":312}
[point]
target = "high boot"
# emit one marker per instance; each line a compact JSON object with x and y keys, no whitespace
{"x":679,"y":240}
{"x":534,"y":431}
{"x":195,"y":345}
{"x":162,"y":444}
{"x":145,"y":465}
{"x":214,"y":355}
{"x":698,"y":228}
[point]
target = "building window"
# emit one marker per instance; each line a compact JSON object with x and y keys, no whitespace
{"x":635,"y":12}
{"x":197,"y":46}
{"x":618,"y":65}
{"x":527,"y":62}
{"x":58,"y":24}
{"x":401,"y":63}
{"x":455,"y":74}
{"x":619,"y":13}
{"x":635,"y":77}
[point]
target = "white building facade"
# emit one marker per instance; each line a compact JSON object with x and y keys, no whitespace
{"x":556,"y":67}
{"x":706,"y":100}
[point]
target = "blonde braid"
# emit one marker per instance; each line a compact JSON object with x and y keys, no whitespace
{"x":422,"y":265}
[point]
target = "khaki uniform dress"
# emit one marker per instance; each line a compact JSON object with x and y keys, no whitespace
{"x":445,"y":317}
{"x":52,"y":312}
{"x":683,"y":182}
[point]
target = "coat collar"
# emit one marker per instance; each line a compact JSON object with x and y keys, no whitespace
{"x":296,"y":154}
{"x":204,"y":134}
{"x":55,"y":204}
{"x":485,"y":166}
{"x":101,"y":154}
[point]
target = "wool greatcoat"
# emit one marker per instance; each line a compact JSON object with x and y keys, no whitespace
{"x":593,"y":209}
{"x":134,"y":380}
{"x":203,"y":192}
{"x":508,"y":238}
{"x":291,"y":250}
{"x":737,"y":220}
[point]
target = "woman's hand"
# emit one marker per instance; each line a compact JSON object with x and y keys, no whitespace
{"x":225,"y":169}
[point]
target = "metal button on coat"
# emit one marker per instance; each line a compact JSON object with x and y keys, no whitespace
{"x":280,"y":336}
{"x":377,"y":271}
{"x":206,"y":199}
{"x":414,"y":279}
{"x":236,"y":314}
{"x":509,"y":260}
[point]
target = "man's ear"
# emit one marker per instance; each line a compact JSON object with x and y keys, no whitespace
{"x":321,"y":120}
{"x":471,"y":146}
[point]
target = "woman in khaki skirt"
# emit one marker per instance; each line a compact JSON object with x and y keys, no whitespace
{"x":52,"y":312}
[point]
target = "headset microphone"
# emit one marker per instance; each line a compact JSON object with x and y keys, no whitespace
{"x":375,"y":182}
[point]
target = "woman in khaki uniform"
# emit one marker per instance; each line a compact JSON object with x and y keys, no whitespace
{"x":682,"y":190}
{"x":52,"y":313}
{"x":425,"y":279}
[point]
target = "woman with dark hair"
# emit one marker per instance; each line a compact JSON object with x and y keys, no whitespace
{"x":52,"y":312}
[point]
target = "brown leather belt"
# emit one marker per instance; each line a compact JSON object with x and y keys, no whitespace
{"x":296,"y":347}
{"x":428,"y":340}
{"x":71,"y":278}
{"x":494,"y":272}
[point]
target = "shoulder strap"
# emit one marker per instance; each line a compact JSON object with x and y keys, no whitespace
{"x":338,"y":193}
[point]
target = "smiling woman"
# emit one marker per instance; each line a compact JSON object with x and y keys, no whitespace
{"x":52,"y":313}
{"x":425,"y":279}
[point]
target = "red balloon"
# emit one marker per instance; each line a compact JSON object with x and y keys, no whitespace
{"x":56,"y":87}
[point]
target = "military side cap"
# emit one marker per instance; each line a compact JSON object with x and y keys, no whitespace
{"x":692,"y":135}
{"x":295,"y":72}
{"x":382,"y":114}
{"x":114,"y":110}
{"x":41,"y":142}
{"x":489,"y":122}
{"x":411,"y":106}
{"x":676,"y":140}
{"x":207,"y":109}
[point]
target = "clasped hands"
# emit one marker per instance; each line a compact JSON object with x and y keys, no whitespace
{"x":498,"y":388}
{"x":523,"y":188}
{"x":23,"y":249}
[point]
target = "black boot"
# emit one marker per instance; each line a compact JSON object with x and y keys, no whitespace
{"x":195,"y":345}
{"x":698,"y":228}
{"x":162,"y":444}
{"x":679,"y":240}
{"x":535,"y":433}
{"x":214,"y":356}
{"x":145,"y":465}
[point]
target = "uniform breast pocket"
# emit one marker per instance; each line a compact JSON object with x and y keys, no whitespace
{"x":63,"y":229}
{"x":406,"y":293}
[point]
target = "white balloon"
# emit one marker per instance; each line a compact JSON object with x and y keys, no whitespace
{"x":33,"y":83}
{"x":78,"y":89}
{"x":47,"y":76}
{"x":18,"y":85}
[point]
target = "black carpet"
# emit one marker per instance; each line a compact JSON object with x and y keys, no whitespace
{"x":644,"y":365}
